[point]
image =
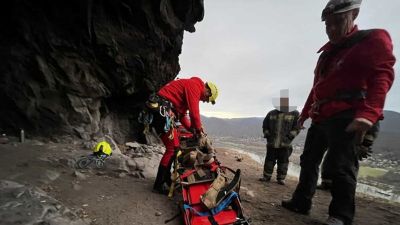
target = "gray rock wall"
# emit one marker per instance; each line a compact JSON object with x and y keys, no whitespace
{"x":85,"y":67}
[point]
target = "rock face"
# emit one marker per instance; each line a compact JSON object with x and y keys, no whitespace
{"x":23,"y":204}
{"x":85,"y":67}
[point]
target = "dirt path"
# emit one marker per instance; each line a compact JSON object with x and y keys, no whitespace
{"x":121,"y":200}
{"x":265,"y":207}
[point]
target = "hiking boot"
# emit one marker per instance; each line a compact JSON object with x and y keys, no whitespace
{"x":265,"y":179}
{"x":164,"y":189}
{"x":333,"y":221}
{"x":292,"y":206}
{"x":160,"y":191}
{"x":281,"y":182}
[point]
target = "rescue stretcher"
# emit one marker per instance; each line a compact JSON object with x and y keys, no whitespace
{"x":204,"y":200}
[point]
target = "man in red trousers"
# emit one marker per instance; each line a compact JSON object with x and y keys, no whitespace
{"x":174,"y":100}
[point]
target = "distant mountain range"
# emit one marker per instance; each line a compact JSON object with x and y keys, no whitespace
{"x":238,"y":127}
{"x":388,"y":140}
{"x":391,"y":123}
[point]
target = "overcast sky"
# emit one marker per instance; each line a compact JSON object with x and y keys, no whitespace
{"x":254,"y":48}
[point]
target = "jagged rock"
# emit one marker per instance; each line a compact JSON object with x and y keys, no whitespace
{"x":49,"y":175}
{"x":135,"y":174}
{"x":80,"y":132}
{"x":113,"y":144}
{"x":239,"y":158}
{"x":133,"y":144}
{"x":67,"y":162}
{"x":158,"y":149}
{"x":91,"y":75}
{"x":250,"y":193}
{"x":30,"y":205}
{"x":46,"y":187}
{"x":152,"y":138}
{"x":89,"y":144}
{"x":148,"y":150}
{"x":121,"y":175}
{"x":151,"y":166}
{"x":140,"y":150}
{"x":131,"y":163}
{"x":100,"y":173}
{"x":140,"y":163}
{"x":117,"y":163}
{"x":137,"y":155}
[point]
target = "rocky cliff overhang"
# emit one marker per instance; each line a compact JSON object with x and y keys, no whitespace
{"x":85,"y":67}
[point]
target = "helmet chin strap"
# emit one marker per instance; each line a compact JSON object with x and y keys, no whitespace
{"x":207,"y":93}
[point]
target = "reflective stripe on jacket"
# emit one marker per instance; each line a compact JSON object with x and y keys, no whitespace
{"x":280,"y":128}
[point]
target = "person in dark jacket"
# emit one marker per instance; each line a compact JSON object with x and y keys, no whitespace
{"x":352,"y":77}
{"x":279,"y":128}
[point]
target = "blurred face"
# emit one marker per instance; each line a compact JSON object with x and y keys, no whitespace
{"x":284,"y":107}
{"x":339,"y":25}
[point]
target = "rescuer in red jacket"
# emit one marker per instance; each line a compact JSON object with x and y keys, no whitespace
{"x":175,"y":99}
{"x":352,"y":77}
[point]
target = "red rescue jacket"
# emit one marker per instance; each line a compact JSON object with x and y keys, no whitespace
{"x":366,"y":65}
{"x":185,"y":94}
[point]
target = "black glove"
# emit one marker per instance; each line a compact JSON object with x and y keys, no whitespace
{"x":364,"y":149}
{"x":290,"y":137}
{"x":363,"y":152}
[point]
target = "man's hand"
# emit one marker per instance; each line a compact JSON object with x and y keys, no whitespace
{"x":205,"y":144}
{"x":300,"y":122}
{"x":363,"y":147}
{"x":363,"y":152}
{"x":266,"y":133}
{"x":359,"y":126}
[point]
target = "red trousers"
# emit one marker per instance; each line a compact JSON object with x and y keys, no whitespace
{"x":170,"y":146}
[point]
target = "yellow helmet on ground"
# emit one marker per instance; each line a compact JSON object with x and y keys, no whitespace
{"x":214,"y":92}
{"x":103,"y":147}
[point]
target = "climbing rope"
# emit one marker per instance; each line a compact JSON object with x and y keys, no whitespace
{"x":146,"y":117}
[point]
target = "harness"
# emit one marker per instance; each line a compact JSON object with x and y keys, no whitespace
{"x":347,"y":96}
{"x":158,"y":104}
